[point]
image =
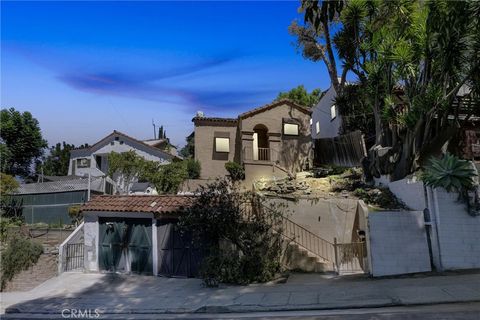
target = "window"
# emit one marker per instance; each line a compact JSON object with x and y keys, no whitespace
{"x":83,"y":163}
{"x":222,"y":144}
{"x":333,"y":112}
{"x":317,"y":127}
{"x":98,"y":160}
{"x":290,"y":129}
{"x":116,"y":138}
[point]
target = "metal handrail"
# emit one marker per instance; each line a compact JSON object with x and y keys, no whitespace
{"x":301,"y":236}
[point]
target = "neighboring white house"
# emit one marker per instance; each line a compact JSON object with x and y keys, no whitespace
{"x":94,"y":160}
{"x":326,"y":120}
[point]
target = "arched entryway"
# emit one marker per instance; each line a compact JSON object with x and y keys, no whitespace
{"x":261,"y":150}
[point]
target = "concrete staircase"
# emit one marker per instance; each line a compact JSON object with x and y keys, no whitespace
{"x":297,"y":258}
{"x":44,"y":269}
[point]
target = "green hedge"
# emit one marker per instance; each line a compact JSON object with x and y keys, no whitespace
{"x":20,"y":254}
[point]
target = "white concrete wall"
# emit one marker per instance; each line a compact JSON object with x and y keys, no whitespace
{"x":397,"y":243}
{"x":458,"y":233}
{"x":321,"y":113}
{"x":328,"y":219}
{"x":409,"y":190}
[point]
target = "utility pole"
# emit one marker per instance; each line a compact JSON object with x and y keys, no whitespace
{"x":154,"y":130}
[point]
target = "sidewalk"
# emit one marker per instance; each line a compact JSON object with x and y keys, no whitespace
{"x":142,"y":294}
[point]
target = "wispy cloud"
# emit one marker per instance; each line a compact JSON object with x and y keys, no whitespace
{"x":156,"y":86}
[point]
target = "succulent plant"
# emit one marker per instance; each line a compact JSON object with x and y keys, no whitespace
{"x":450,"y":173}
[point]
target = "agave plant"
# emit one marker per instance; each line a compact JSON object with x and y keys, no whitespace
{"x":450,"y":173}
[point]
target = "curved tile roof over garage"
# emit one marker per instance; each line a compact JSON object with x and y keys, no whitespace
{"x":140,"y":203}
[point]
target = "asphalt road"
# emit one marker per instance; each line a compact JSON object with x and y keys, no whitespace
{"x":461,"y":311}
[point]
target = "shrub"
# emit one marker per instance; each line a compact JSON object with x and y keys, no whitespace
{"x":193,"y":168}
{"x":236,"y":171}
{"x":75,"y":214}
{"x":20,"y":254}
{"x":243,"y":247}
{"x":450,"y":173}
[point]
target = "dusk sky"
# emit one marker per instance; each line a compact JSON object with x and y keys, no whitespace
{"x":84,"y":69}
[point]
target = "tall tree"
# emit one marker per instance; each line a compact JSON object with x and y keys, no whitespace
{"x":188,"y":151}
{"x":22,"y":141}
{"x":411,"y":58}
{"x":57,"y":161}
{"x":301,"y":96}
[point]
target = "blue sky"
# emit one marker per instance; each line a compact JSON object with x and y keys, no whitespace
{"x":84,"y":69}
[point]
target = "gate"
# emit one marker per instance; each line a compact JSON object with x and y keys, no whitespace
{"x":350,"y":257}
{"x":178,"y":256}
{"x":74,"y":257}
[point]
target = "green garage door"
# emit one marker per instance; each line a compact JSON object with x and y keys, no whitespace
{"x":125,"y":245}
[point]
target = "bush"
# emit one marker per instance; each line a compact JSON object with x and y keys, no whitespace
{"x":236,"y":171}
{"x":244,"y":249}
{"x":193,"y":168}
{"x":20,"y":254}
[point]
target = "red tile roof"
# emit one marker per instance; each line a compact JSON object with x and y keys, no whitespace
{"x":150,"y":204}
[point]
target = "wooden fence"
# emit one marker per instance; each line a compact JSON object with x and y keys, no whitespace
{"x":346,"y":150}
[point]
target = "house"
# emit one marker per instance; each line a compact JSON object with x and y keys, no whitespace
{"x":134,"y":234}
{"x":143,"y":188}
{"x":326,"y":120}
{"x":48,"y":202}
{"x":272,"y":141}
{"x":94,"y":160}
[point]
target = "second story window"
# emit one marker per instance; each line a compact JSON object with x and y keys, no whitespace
{"x":290,"y":129}
{"x":317,"y":127}
{"x":83,"y":163}
{"x":222,"y":145}
{"x":333,"y":112}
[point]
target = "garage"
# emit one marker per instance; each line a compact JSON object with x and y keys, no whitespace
{"x":139,"y":235}
{"x":125,"y":245}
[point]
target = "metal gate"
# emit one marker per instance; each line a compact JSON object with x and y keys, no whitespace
{"x":350,"y":257}
{"x":74,"y":257}
{"x":125,"y":245}
{"x":177,"y":255}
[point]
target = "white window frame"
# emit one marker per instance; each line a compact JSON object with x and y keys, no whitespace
{"x":222,"y":145}
{"x":333,"y":111}
{"x":291,"y":129}
{"x":317,"y":127}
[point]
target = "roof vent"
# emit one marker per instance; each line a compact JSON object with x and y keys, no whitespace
{"x":200,"y":114}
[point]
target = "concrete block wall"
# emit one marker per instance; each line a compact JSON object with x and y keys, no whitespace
{"x":397,"y":242}
{"x":458,"y":233}
{"x":409,"y":190}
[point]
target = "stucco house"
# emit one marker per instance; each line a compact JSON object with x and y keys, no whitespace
{"x":93,"y":160}
{"x":271,"y":141}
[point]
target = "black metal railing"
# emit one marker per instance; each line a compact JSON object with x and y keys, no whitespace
{"x":73,"y":256}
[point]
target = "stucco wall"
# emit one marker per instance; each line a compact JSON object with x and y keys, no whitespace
{"x":321,"y":113}
{"x":292,"y":152}
{"x":458,"y":232}
{"x":397,"y":243}
{"x":328,"y":219}
{"x":213,"y":163}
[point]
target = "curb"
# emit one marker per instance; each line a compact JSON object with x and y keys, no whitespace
{"x":212,"y":309}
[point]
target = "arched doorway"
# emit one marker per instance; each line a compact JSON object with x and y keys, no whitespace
{"x":261,"y":150}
